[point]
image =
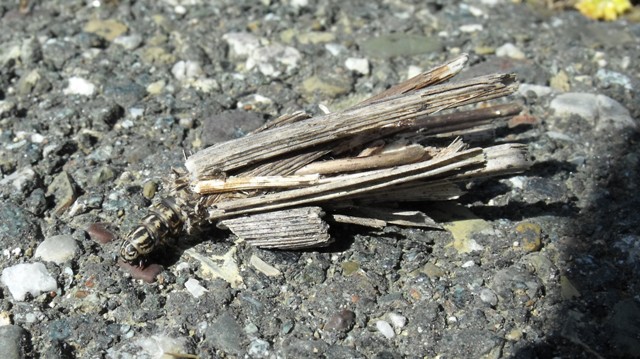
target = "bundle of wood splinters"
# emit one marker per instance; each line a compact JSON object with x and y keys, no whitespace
{"x":281,"y":185}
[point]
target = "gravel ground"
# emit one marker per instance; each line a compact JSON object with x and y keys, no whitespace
{"x":98,"y":100}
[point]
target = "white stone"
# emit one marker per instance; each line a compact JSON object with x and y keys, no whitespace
{"x":475,"y":11}
{"x":358,"y":65}
{"x":79,"y":86}
{"x":6,"y":106}
{"x":335,"y":49}
{"x":492,"y":2}
{"x":193,"y":286}
{"x":186,"y":70}
{"x":471,"y":28}
{"x":19,"y":179}
{"x":273,"y":59}
{"x":37,"y":138}
{"x":398,"y":321}
{"x":510,"y":50}
{"x":28,"y":278}
{"x":385,"y":329}
{"x":539,"y":90}
{"x":57,"y":249}
{"x":299,"y":3}
{"x":159,"y":346}
{"x":468,"y":264}
{"x":206,"y":84}
{"x":241,"y":43}
{"x":258,"y":349}
{"x":136,"y":112}
{"x":609,"y":78}
{"x":129,"y":42}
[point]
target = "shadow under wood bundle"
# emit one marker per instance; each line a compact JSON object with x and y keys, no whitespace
{"x":278,"y":186}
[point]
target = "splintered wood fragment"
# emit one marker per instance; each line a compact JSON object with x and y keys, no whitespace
{"x":407,"y":154}
{"x":273,"y":142}
{"x":381,"y":217}
{"x":429,"y":78}
{"x":295,"y":228}
{"x":253,"y":183}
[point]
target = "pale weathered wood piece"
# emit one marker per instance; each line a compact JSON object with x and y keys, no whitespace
{"x":295,"y":228}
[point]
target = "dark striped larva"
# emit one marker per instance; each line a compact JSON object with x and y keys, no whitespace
{"x":165,"y":220}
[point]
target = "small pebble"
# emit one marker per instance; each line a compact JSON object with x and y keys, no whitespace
{"x":529,"y":236}
{"x":193,"y":286}
{"x":274,"y":59}
{"x":471,"y":28}
{"x":560,"y":82}
{"x":159,"y":346}
{"x":539,"y":90}
{"x":12,"y":339}
{"x":358,"y":65}
{"x":489,"y":296}
{"x":156,"y":88}
{"x":609,"y":78}
{"x":342,"y":321}
{"x":26,"y":278}
{"x":385,"y":329}
{"x":514,"y":335}
{"x":468,"y":264}
{"x":147,"y":274}
{"x":6,"y":107}
{"x":57,"y":249}
{"x":186,"y":70}
{"x":79,"y":86}
{"x":100,"y":233}
{"x":335,"y":49}
{"x":510,"y":50}
{"x":149,"y":189}
{"x":258,"y":349}
{"x":241,"y":43}
{"x":5,"y":319}
{"x":136,"y":112}
{"x":19,"y":179}
{"x":129,"y":42}
{"x":398,"y":321}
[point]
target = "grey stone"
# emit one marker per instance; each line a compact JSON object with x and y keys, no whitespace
{"x":12,"y":342}
{"x":226,"y":335}
{"x":16,"y":225}
{"x":488,"y":296}
{"x":342,"y":321}
{"x":601,"y":111}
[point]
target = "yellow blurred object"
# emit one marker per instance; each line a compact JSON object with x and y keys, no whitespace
{"x":603,"y":9}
